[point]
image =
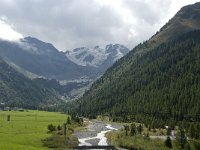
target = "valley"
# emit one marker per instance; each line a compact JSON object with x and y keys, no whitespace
{"x":101,"y":94}
{"x":68,"y":74}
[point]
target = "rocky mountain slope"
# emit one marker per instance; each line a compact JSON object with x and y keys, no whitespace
{"x":97,"y":56}
{"x":40,"y":58}
{"x":37,"y":59}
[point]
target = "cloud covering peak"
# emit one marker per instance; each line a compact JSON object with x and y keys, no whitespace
{"x":74,"y":23}
{"x":7,"y":32}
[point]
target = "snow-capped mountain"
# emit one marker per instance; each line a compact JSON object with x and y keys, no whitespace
{"x":97,"y":56}
{"x":37,"y":59}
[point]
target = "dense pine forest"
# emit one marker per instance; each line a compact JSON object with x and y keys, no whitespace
{"x":157,"y":83}
{"x":160,"y":84}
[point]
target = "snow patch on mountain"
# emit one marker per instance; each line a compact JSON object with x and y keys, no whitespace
{"x":87,"y":56}
{"x":96,"y":56}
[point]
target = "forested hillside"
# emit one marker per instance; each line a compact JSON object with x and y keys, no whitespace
{"x":163,"y":82}
{"x":158,"y":80}
{"x":17,"y":90}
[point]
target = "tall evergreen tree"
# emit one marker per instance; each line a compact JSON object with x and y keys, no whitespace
{"x":168,"y":142}
{"x":169,"y":131}
{"x":181,"y":138}
{"x":133,"y":129}
{"x":140,"y":129}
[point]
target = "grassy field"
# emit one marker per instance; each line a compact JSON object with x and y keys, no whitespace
{"x":25,"y":129}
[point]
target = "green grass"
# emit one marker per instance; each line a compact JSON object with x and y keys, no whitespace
{"x":139,"y":142}
{"x":136,"y":142}
{"x":25,"y":130}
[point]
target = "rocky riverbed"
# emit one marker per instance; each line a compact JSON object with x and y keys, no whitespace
{"x":95,"y":133}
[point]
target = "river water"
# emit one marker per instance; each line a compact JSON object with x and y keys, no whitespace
{"x":95,"y":134}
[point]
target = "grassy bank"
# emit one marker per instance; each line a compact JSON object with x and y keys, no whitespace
{"x":137,"y":142}
{"x":144,"y":142}
{"x":25,"y":130}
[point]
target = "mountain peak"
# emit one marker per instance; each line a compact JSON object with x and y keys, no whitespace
{"x":36,"y":46}
{"x":36,"y":41}
{"x":189,"y":12}
{"x":185,"y":20}
{"x":98,"y":55}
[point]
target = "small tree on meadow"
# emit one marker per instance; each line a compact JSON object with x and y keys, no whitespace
{"x":51,"y":128}
{"x":68,"y":120}
{"x":59,"y":128}
{"x":168,"y":142}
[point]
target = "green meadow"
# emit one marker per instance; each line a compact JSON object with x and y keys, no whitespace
{"x":25,"y":130}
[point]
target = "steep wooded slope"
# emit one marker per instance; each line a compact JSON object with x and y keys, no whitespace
{"x":158,"y":78}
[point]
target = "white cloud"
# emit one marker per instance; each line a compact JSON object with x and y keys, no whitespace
{"x":7,"y":32}
{"x":74,"y":23}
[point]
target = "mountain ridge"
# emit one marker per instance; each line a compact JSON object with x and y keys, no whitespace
{"x":184,"y":21}
{"x":97,"y":55}
{"x":43,"y":59}
{"x":18,"y":90}
{"x":37,"y":59}
{"x":133,"y":87}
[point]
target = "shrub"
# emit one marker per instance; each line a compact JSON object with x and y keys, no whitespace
{"x":51,"y":128}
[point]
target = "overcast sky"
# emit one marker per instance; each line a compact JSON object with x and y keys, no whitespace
{"x":69,"y":24}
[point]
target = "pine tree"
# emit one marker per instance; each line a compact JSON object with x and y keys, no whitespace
{"x":51,"y":128}
{"x":169,"y":131}
{"x":133,"y":129}
{"x":140,"y":129}
{"x":126,"y":127}
{"x":168,"y":142}
{"x":68,"y":120}
{"x":183,"y":138}
{"x":192,"y":131}
{"x":59,"y":128}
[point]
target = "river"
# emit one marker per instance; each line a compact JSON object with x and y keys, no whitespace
{"x":95,"y":133}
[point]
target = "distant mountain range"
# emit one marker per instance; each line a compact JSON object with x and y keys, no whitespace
{"x":40,"y":58}
{"x":34,"y":57}
{"x":159,"y":78}
{"x":69,"y":74}
{"x":97,"y":56}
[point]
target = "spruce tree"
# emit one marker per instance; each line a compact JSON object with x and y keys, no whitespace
{"x":168,"y":142}
{"x":68,"y":120}
{"x":169,"y":131}
{"x":140,"y":129}
{"x":133,"y":129}
{"x":182,"y":139}
{"x":192,"y":131}
{"x":126,"y":127}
